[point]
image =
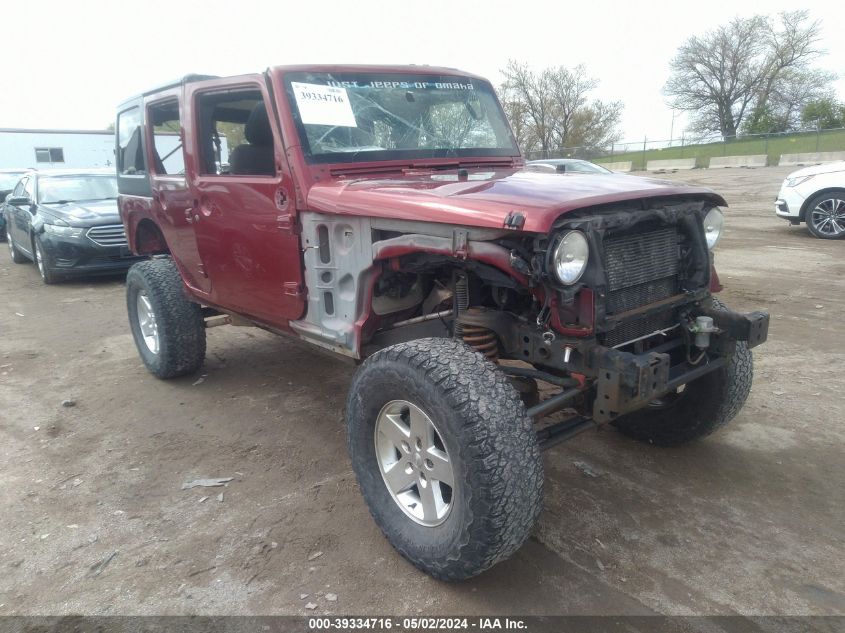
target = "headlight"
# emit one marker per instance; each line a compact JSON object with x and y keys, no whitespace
{"x":713,"y":223}
{"x":794,"y":181}
{"x":64,"y":231}
{"x":570,"y":257}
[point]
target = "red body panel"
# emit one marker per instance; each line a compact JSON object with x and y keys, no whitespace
{"x":441,"y":197}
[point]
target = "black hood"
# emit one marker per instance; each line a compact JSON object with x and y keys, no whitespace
{"x":83,"y":213}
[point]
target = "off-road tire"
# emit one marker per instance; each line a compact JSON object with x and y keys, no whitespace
{"x":498,"y":470}
{"x":45,"y":271}
{"x":14,"y":254}
{"x":808,"y":218}
{"x":181,"y":328}
{"x":705,"y":405}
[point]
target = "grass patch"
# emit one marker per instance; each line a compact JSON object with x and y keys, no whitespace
{"x":799,"y":143}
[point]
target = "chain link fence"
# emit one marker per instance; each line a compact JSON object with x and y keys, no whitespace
{"x":703,"y":148}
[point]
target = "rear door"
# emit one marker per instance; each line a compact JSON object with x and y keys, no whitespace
{"x":166,"y":160}
{"x":242,"y":191}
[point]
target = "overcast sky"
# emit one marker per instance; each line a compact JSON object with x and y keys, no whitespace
{"x":66,"y":64}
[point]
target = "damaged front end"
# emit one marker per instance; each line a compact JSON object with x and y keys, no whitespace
{"x":640,"y":321}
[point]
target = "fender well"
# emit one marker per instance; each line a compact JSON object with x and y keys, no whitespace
{"x":802,"y":214}
{"x":485,"y":252}
{"x":149,"y":240}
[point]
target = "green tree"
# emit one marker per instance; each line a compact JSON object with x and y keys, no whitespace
{"x":825,"y":113}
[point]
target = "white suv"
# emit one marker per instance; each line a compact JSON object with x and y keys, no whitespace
{"x":815,"y":195}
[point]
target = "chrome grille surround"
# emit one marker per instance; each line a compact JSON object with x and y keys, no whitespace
{"x":107,"y":235}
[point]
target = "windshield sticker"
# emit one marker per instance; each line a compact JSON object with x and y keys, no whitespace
{"x":323,"y":105}
{"x":405,"y":85}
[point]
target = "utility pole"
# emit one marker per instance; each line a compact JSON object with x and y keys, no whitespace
{"x":672,"y":128}
{"x":645,"y":140}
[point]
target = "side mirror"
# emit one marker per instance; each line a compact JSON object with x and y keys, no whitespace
{"x":18,"y":201}
{"x":560,"y":168}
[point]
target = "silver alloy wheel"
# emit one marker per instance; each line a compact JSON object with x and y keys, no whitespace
{"x":414,"y":463}
{"x":828,"y":216}
{"x":39,"y":260}
{"x":147,"y":322}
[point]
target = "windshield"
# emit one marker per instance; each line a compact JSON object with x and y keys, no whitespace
{"x":8,"y":181}
{"x":76,"y":188}
{"x":348,"y":117}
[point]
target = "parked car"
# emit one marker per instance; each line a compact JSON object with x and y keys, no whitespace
{"x":385,"y":214}
{"x":67,"y":222}
{"x":815,"y":195}
{"x":8,"y":179}
{"x":569,"y":165}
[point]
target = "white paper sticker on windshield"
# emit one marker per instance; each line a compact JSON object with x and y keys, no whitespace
{"x":323,"y":105}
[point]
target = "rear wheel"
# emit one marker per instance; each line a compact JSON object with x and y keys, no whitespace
{"x":826,"y":215}
{"x":445,"y":454}
{"x":168,"y":329}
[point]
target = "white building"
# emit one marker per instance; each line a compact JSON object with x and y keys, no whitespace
{"x":26,"y":148}
{"x":43,"y":149}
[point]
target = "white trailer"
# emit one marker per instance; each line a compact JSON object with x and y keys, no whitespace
{"x":41,"y":149}
{"x":70,"y":149}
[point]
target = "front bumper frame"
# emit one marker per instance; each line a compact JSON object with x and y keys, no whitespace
{"x":626,"y":381}
{"x":623,"y":381}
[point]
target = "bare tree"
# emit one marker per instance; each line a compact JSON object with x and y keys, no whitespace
{"x":595,"y":126}
{"x":517,"y":113}
{"x":734,"y":71}
{"x":550,"y":109}
{"x":532,"y":92}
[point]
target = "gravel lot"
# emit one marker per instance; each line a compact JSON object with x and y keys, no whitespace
{"x":93,"y":519}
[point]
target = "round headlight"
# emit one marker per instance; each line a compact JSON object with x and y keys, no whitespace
{"x":570,"y":257}
{"x":713,"y":223}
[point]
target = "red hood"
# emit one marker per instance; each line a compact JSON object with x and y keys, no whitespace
{"x":488,"y":196}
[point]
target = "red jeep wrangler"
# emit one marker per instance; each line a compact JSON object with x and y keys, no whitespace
{"x":385,"y":214}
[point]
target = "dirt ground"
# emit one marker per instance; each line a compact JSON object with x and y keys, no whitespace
{"x":93,"y":519}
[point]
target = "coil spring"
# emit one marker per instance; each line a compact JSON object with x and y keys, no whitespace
{"x":461,"y":301}
{"x":482,"y":340}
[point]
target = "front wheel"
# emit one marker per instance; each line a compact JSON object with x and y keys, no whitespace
{"x":14,"y":254}
{"x":826,"y":215}
{"x":168,"y":329}
{"x":445,"y":454}
{"x":44,"y":263}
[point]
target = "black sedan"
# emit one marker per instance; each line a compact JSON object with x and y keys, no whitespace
{"x":67,"y":222}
